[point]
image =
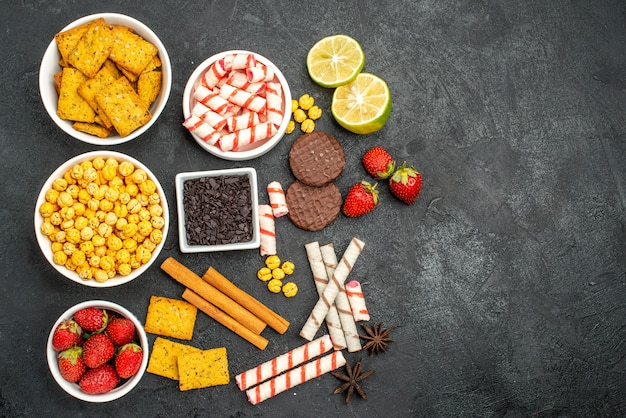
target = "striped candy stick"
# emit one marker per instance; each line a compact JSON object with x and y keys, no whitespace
{"x":214,"y":119}
{"x":295,"y":377}
{"x":196,"y":125}
{"x":259,"y":132}
{"x":282,"y":363}
{"x":357,"y":301}
{"x":325,"y":301}
{"x":320,"y":278}
{"x":341,"y":302}
{"x":274,"y":103}
{"x":239,"y":61}
{"x":246,"y":119}
{"x":260,"y":72}
{"x":240,"y":80}
{"x":243,"y":98}
{"x":268,"y":233}
{"x":214,"y":74}
{"x":212,"y":100}
{"x":277,"y":199}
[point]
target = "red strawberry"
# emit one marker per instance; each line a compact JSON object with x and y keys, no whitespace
{"x":71,"y":364}
{"x":67,"y":334}
{"x":121,"y":331}
{"x":128,"y":360}
{"x":97,"y":350}
{"x":362,"y":198}
{"x":91,"y":319}
{"x":406,"y":183}
{"x":378,"y":162}
{"x":102,"y":379}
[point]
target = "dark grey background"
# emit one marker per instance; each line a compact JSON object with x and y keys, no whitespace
{"x":506,"y":278}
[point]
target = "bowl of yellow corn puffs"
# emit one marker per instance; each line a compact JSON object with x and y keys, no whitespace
{"x":101,"y":219}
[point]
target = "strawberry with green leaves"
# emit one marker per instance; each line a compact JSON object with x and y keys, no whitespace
{"x":378,"y":162}
{"x":128,"y":360}
{"x":97,"y":350}
{"x":406,"y":183}
{"x":91,"y":319}
{"x":362,"y":198}
{"x":102,"y":379}
{"x":71,"y":364}
{"x":66,"y":335}
{"x":121,"y":331}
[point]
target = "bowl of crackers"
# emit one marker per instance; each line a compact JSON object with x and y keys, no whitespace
{"x":237,"y":105}
{"x":105,"y":78}
{"x":101,"y":219}
{"x":75,"y":370}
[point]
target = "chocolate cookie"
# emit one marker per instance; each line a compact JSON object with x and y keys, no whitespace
{"x":313,"y":208}
{"x":316,"y":158}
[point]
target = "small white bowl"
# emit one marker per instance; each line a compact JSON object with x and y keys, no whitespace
{"x":73,"y":388}
{"x":45,"y":243}
{"x":50,"y":66}
{"x":256,"y":149}
{"x":181,"y":178}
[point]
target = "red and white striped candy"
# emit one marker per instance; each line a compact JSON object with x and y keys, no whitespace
{"x":214,"y":74}
{"x":277,"y":199}
{"x":212,"y":100}
{"x":268,"y":231}
{"x":235,"y":140}
{"x":242,"y":121}
{"x":209,"y":116}
{"x":243,"y":98}
{"x":239,"y":61}
{"x":196,"y":125}
{"x":284,"y":362}
{"x":274,"y":103}
{"x":357,"y":301}
{"x":296,"y":376}
{"x":260,"y":73}
{"x":240,"y":80}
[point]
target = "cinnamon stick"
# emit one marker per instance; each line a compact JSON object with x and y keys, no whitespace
{"x":224,"y":319}
{"x":189,"y":279}
{"x":271,"y":318}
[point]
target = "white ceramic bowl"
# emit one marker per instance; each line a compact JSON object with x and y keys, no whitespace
{"x":258,"y":148}
{"x":73,"y":388}
{"x":45,"y":243}
{"x":181,"y":178}
{"x":50,"y":66}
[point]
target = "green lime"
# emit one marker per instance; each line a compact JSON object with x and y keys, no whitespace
{"x":335,"y":60}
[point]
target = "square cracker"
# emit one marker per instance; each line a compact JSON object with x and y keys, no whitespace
{"x":164,"y":357}
{"x":122,"y":105}
{"x":91,"y":129}
{"x":130,"y":51}
{"x":203,"y":369}
{"x":170,"y":317}
{"x":67,"y":40}
{"x":88,"y":90}
{"x":70,"y":105}
{"x":93,"y":48}
{"x":149,"y":86}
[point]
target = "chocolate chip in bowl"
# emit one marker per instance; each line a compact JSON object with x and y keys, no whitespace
{"x":217,"y":210}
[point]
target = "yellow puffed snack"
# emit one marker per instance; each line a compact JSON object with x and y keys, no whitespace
{"x":204,"y":369}
{"x":290,"y":289}
{"x":274,"y":285}
{"x":264,"y":274}
{"x":164,"y":357}
{"x":272,"y":262}
{"x":171,"y":318}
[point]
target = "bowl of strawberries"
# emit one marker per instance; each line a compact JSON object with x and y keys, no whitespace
{"x":97,"y":351}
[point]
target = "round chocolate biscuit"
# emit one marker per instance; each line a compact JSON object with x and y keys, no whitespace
{"x":316,"y":158}
{"x":312,"y":208}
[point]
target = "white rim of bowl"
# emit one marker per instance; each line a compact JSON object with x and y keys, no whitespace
{"x":118,"y":392}
{"x":266,"y":146}
{"x":46,"y":83}
{"x":45,"y":241}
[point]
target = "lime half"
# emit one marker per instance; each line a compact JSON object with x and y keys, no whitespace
{"x":335,"y":60}
{"x":362,"y":106}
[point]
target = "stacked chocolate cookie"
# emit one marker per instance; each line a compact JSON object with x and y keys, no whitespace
{"x":316,"y":159}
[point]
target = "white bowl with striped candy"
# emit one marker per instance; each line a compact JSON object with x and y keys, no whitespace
{"x":50,"y":65}
{"x":257,"y":148}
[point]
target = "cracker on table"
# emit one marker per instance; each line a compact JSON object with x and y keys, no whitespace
{"x":67,"y":40}
{"x":203,"y":369}
{"x":170,"y":318}
{"x":122,"y":105}
{"x":70,"y":105}
{"x":164,"y":357}
{"x":130,"y":51}
{"x":149,"y":86}
{"x":91,"y":129}
{"x":93,"y":48}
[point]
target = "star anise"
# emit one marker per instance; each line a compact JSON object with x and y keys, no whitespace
{"x":353,"y":376}
{"x":377,"y":338}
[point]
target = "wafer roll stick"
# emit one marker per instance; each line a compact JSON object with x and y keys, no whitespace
{"x":341,"y":301}
{"x":325,"y":301}
{"x":259,"y":132}
{"x":212,"y":100}
{"x":357,"y":301}
{"x":189,"y":279}
{"x":209,"y":116}
{"x":277,"y":199}
{"x":244,"y":120}
{"x":214,"y":74}
{"x":239,"y":61}
{"x":274,"y":103}
{"x":240,"y":80}
{"x":271,"y":318}
{"x":320,"y":278}
{"x":268,"y":231}
{"x":295,"y":377}
{"x":243,"y":98}
{"x":284,"y":362}
{"x":224,"y":319}
{"x":205,"y":131}
{"x":260,"y":72}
